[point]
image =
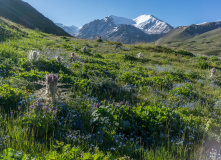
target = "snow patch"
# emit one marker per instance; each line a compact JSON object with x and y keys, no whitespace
{"x":142,"y":20}
{"x":217,"y":22}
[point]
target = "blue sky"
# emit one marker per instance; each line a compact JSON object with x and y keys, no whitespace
{"x":174,"y":12}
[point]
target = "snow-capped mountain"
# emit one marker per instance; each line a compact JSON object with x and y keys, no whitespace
{"x":145,"y":28}
{"x":72,"y":30}
{"x":151,"y":25}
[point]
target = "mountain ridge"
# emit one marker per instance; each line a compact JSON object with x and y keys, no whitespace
{"x":204,"y":38}
{"x":24,"y":14}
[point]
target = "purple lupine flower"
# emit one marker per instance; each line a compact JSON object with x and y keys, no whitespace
{"x":11,"y":112}
{"x":55,"y":111}
{"x":146,"y":99}
{"x":32,"y":106}
{"x":82,"y":155}
{"x":38,"y":103}
{"x":122,"y":103}
{"x":44,"y":107}
{"x":47,"y":109}
{"x":0,"y":96}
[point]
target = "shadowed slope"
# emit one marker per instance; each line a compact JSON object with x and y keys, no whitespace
{"x":22,"y":13}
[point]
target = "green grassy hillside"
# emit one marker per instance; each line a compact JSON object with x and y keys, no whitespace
{"x":208,"y":43}
{"x":205,"y":41}
{"x":9,"y":30}
{"x":110,"y":104}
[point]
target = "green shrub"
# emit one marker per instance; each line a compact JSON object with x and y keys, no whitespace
{"x":162,"y":82}
{"x":115,"y":43}
{"x":202,"y":64}
{"x":51,"y":66}
{"x":213,"y":58}
{"x":98,"y":56}
{"x":183,"y":91}
{"x":32,"y":75}
{"x":130,"y":57}
{"x":185,"y":53}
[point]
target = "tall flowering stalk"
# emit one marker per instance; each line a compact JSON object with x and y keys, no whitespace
{"x":58,"y":59}
{"x":73,"y":57}
{"x":213,"y":72}
{"x":50,"y":91}
{"x":140,"y":55}
{"x":84,"y":49}
{"x":51,"y":86}
{"x":33,"y":56}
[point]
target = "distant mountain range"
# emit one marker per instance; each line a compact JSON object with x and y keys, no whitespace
{"x":22,"y":13}
{"x":145,"y":28}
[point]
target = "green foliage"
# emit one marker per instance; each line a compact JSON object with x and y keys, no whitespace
{"x":115,"y":43}
{"x":10,"y":153}
{"x":102,"y":86}
{"x":161,"y":82}
{"x":32,"y":75}
{"x":99,"y":40}
{"x":10,"y":97}
{"x":68,"y":152}
{"x":214,"y":58}
{"x":202,"y":64}
{"x":185,"y":53}
{"x":130,"y":57}
{"x":51,"y":66}
{"x":41,"y":125}
{"x":98,"y":56}
{"x":186,"y":91}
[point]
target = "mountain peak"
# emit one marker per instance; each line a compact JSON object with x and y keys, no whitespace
{"x":121,"y":20}
{"x":151,"y":25}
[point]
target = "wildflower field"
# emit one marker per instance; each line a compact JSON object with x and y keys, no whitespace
{"x":66,"y":98}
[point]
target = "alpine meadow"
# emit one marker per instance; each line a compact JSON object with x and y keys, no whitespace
{"x":63,"y":97}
